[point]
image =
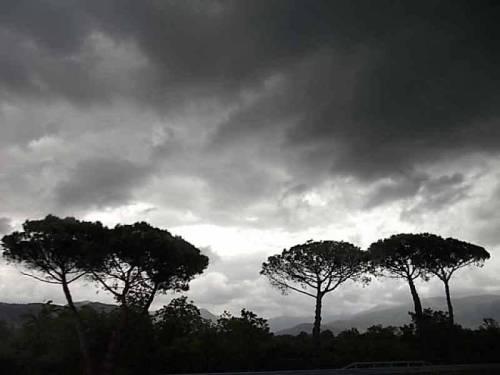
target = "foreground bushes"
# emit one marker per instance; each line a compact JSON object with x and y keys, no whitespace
{"x":177,"y":339}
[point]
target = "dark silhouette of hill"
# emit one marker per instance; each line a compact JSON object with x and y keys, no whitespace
{"x":15,"y":313}
{"x":98,"y":306}
{"x":469,"y":312}
{"x":281,"y":323}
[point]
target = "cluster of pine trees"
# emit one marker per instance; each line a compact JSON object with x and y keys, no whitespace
{"x":317,"y":268}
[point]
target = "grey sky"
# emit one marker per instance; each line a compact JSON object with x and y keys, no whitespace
{"x":250,"y":126}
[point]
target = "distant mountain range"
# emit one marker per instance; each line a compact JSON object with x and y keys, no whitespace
{"x":15,"y":313}
{"x":469,"y":312}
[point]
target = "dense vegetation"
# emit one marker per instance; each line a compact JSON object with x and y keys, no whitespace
{"x":177,"y":339}
{"x":136,"y":262}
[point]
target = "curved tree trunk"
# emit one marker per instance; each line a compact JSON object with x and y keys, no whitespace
{"x":317,"y":326}
{"x":448,"y":301}
{"x":80,"y":330}
{"x":150,"y":300}
{"x":416,"y":302}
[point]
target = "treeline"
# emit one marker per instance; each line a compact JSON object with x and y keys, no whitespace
{"x":136,"y":262}
{"x":177,"y":339}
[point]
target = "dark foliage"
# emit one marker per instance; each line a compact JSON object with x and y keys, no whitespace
{"x":142,"y":261}
{"x":177,"y":339}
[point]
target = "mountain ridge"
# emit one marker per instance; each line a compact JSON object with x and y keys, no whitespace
{"x":469,"y":312}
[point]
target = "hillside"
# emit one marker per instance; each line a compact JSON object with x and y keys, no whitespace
{"x":15,"y":313}
{"x":469,"y":312}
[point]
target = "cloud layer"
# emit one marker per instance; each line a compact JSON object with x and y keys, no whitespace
{"x":276,"y":120}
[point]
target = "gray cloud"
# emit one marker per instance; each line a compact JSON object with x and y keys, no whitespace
{"x":5,"y":225}
{"x":212,"y":255}
{"x":398,"y":188}
{"x":100,"y":183}
{"x":359,"y":89}
{"x":424,"y":83}
{"x":436,"y":194}
{"x":487,"y":218}
{"x":433,"y":192}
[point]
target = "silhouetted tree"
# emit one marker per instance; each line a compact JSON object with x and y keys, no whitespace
{"x":315,"y":269}
{"x":179,"y":318}
{"x":443,"y":257}
{"x":249,"y":322}
{"x":142,"y":261}
{"x":186,"y":342}
{"x":244,"y":340}
{"x":400,"y":256}
{"x":55,"y":250}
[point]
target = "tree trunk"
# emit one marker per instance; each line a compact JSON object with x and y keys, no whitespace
{"x":448,"y":301}
{"x":114,"y":342}
{"x":416,"y":302}
{"x":317,"y":327}
{"x":80,"y":330}
{"x":146,"y":307}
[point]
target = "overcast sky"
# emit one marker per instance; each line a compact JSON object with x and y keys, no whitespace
{"x":251,"y":126}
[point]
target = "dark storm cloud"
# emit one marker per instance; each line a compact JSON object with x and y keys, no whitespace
{"x":50,"y":50}
{"x":59,"y":26}
{"x":100,"y":183}
{"x":436,"y":192}
{"x":425,"y":87}
{"x":28,"y":71}
{"x":357,"y":88}
{"x":403,"y":187}
{"x":38,"y":42}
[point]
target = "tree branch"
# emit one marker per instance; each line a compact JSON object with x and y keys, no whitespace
{"x":76,"y":277}
{"x":291,"y":287}
{"x":106,"y":286}
{"x":40,"y":279}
